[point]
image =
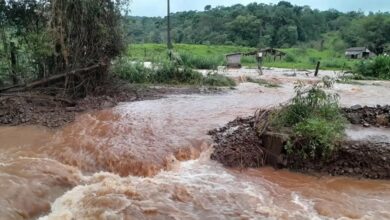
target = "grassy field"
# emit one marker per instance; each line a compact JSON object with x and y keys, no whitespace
{"x":211,"y":56}
{"x":157,"y":51}
{"x":298,"y":58}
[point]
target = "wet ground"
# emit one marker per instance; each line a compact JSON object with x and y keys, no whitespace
{"x":93,"y":168}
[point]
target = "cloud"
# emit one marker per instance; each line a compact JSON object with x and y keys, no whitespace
{"x":158,"y":7}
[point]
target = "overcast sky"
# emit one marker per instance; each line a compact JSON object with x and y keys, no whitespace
{"x":158,"y":7}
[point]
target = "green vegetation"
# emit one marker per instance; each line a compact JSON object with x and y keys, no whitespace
{"x":166,"y":73}
{"x":42,"y":38}
{"x":281,"y":25}
{"x":315,"y":120}
{"x":377,"y":68}
{"x":210,"y":57}
{"x":303,"y":58}
{"x":152,"y":52}
{"x":200,"y":62}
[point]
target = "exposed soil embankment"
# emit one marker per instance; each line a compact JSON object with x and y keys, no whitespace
{"x":353,"y":158}
{"x":239,"y":145}
{"x":38,"y":108}
{"x":368,"y":116}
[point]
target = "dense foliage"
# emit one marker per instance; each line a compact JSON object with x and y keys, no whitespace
{"x":315,"y":119}
{"x":378,"y":68}
{"x":40,"y":38}
{"x":166,"y":73}
{"x":260,"y":25}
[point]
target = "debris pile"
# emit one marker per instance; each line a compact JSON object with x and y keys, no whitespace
{"x":368,"y":116}
{"x":238,"y":144}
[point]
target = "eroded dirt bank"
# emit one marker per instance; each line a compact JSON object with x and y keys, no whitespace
{"x":35,"y":108}
{"x":239,"y":145}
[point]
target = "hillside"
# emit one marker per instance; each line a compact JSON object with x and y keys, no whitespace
{"x":261,"y":25}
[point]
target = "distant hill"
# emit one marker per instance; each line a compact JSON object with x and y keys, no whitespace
{"x":260,"y":25}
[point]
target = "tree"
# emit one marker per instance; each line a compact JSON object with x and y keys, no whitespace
{"x":62,"y":36}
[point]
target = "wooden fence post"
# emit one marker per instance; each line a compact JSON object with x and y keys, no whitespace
{"x":317,"y":69}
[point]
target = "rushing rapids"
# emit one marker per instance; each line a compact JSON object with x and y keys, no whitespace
{"x":150,"y":160}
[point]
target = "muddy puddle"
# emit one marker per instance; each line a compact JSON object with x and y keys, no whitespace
{"x":108,"y":165}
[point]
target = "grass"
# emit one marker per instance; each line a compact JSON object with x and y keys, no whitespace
{"x":151,"y":52}
{"x":201,"y":62}
{"x":300,"y":58}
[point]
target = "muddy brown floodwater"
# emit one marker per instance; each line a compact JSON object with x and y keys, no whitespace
{"x":150,"y":160}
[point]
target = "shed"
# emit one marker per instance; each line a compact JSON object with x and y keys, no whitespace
{"x":359,"y":53}
{"x":233,"y":60}
{"x":272,"y":52}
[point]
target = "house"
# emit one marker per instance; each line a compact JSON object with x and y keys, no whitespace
{"x":359,"y":53}
{"x":269,"y":52}
{"x":233,"y":60}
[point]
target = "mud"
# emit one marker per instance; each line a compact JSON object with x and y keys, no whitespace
{"x":363,"y":159}
{"x":378,"y":116}
{"x":238,"y":145}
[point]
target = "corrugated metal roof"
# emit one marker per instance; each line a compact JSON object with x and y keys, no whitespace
{"x":357,"y":49}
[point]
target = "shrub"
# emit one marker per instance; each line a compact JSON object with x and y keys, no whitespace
{"x":134,"y":72}
{"x":378,"y":67}
{"x":166,"y":73}
{"x":315,"y":120}
{"x":316,"y":137}
{"x":169,"y":73}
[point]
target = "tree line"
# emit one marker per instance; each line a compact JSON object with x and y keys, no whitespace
{"x":264,"y":25}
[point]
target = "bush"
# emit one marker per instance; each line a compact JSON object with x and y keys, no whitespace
{"x":378,"y":67}
{"x":315,"y":120}
{"x":165,"y":73}
{"x":316,"y":137}
{"x":134,"y":72}
{"x":169,"y":73}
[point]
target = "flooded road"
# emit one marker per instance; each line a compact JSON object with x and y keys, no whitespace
{"x":150,"y":160}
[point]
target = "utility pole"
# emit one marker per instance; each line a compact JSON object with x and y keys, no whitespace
{"x":169,"y":26}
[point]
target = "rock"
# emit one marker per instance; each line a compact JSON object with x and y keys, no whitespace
{"x":356,"y":107}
